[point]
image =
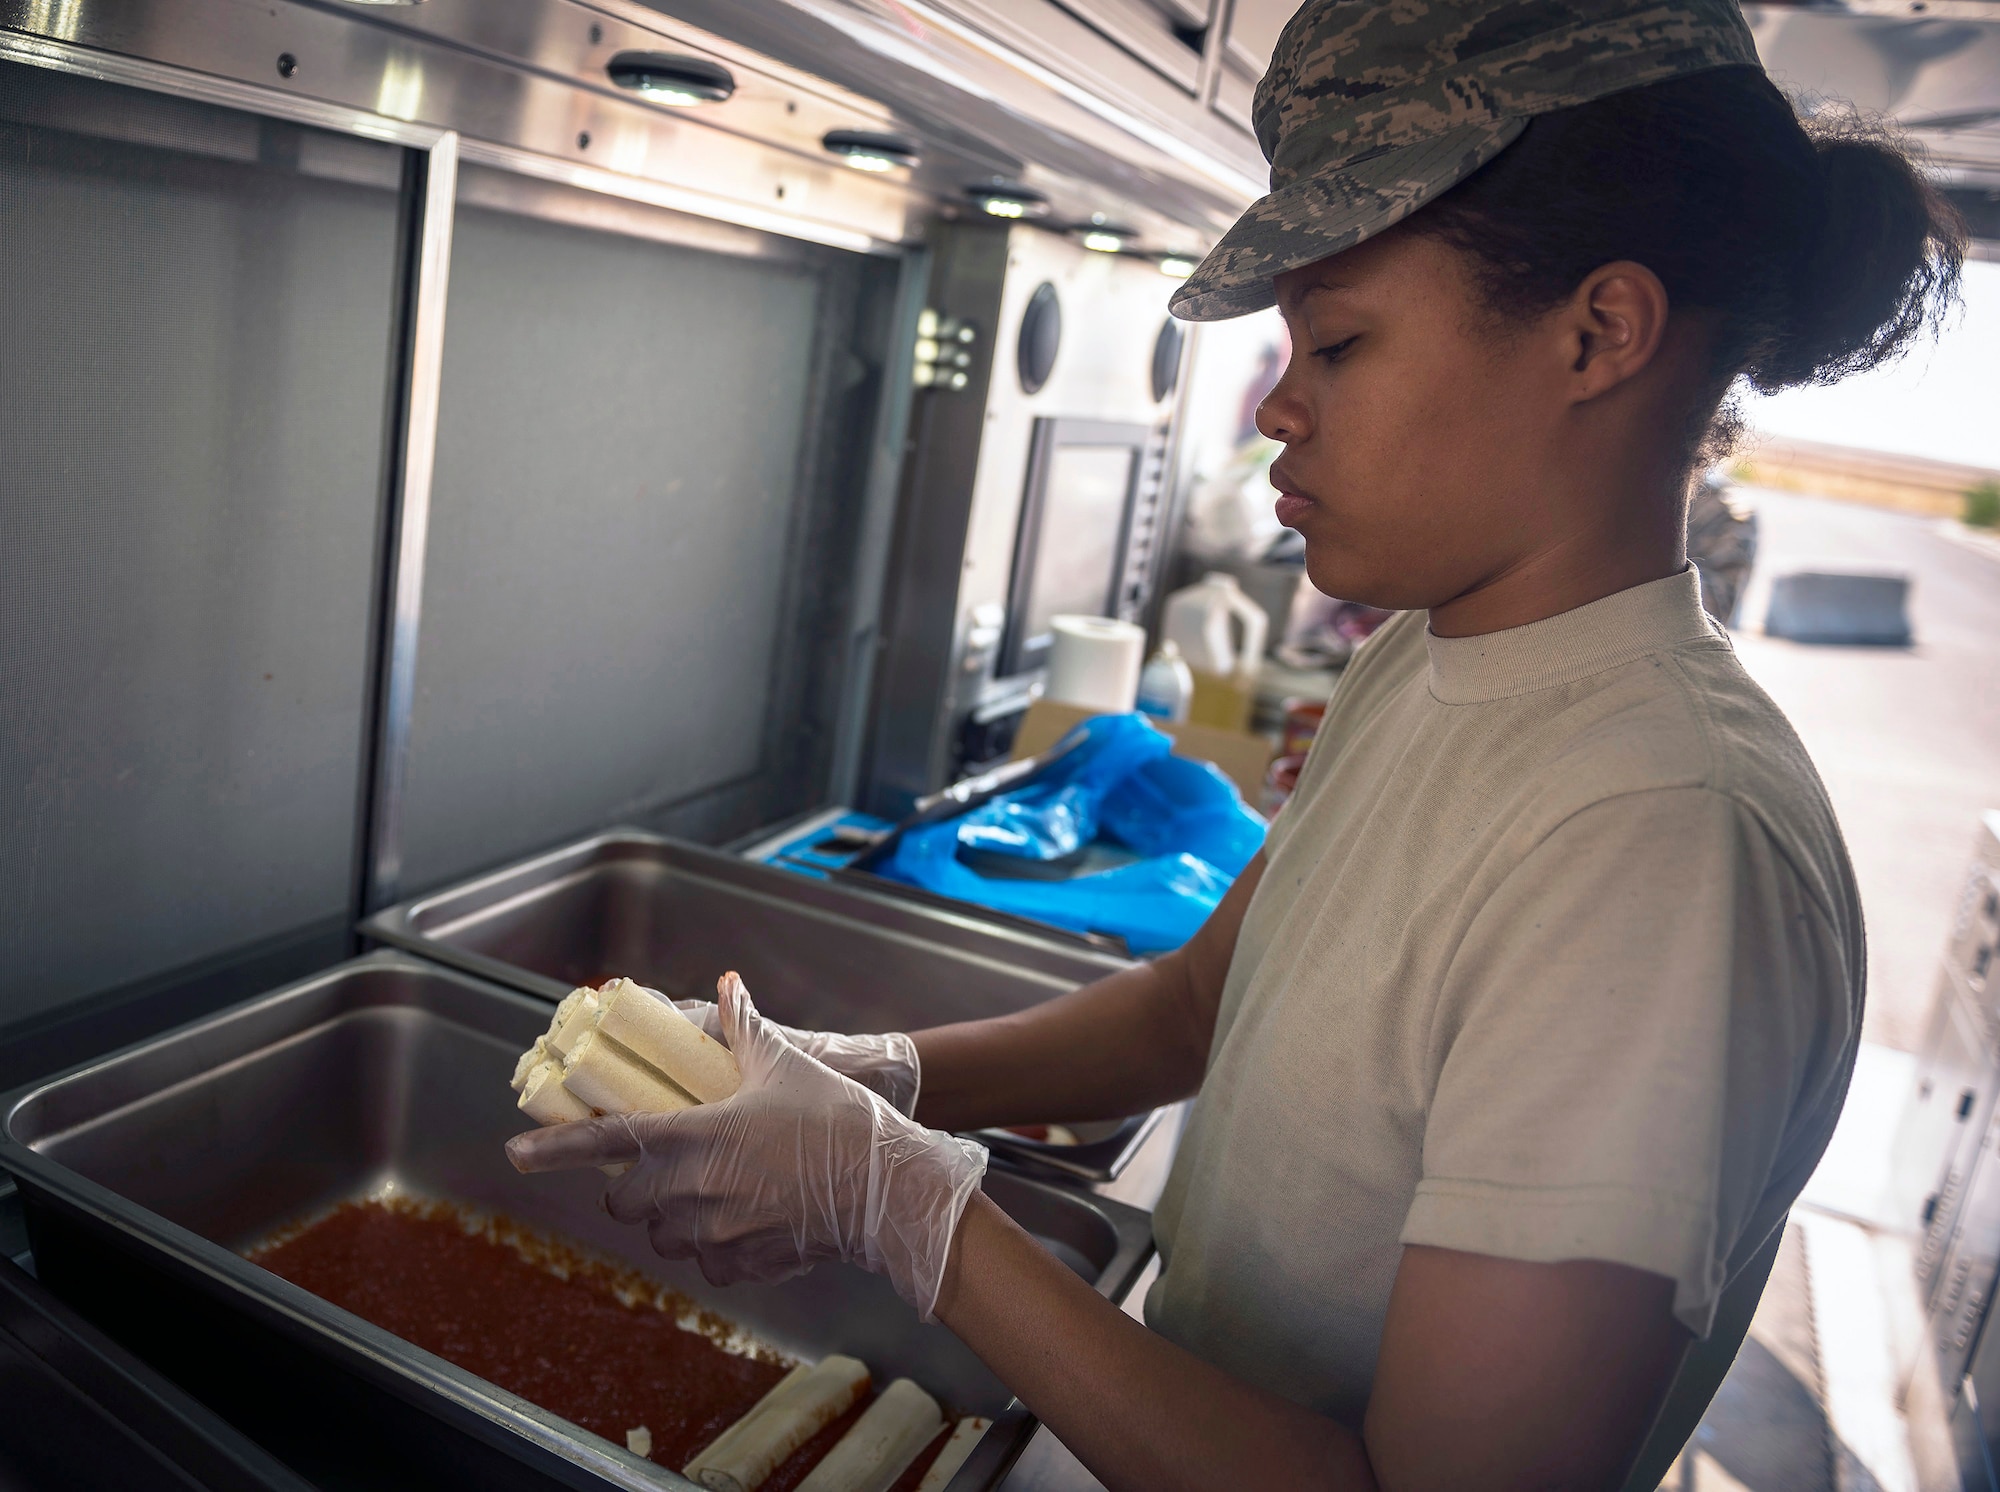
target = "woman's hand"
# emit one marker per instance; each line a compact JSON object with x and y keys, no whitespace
{"x":800,"y":1165}
{"x":885,"y":1064}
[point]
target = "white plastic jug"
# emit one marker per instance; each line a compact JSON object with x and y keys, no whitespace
{"x":1218,"y":629}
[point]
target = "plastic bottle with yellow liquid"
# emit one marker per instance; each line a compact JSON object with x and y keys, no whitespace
{"x":1220,"y":632}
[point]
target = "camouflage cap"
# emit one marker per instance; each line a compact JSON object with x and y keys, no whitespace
{"x":1373,"y":107}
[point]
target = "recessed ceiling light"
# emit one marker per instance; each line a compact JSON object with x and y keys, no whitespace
{"x":1177,"y":266}
{"x":866,"y":151}
{"x":672,"y":78}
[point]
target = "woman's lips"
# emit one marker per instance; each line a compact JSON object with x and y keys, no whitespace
{"x":1291,"y":508}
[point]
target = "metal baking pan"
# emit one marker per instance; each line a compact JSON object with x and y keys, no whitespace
{"x":675,"y":915}
{"x":868,"y":883}
{"x":1102,"y":1150}
{"x":144,"y":1174}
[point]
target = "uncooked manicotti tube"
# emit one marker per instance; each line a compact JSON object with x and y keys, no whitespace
{"x":649,"y":1028}
{"x":805,"y":1402}
{"x":878,"y":1446}
{"x":546,"y":1101}
{"x":964,"y":1436}
{"x":532,"y":1058}
{"x":602,"y":1077}
{"x":573,"y":1017}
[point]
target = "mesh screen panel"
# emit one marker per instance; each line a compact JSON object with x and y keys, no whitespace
{"x":618,"y":455}
{"x":197,"y":311}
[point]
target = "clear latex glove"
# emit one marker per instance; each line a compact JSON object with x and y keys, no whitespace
{"x":799,"y":1165}
{"x":882,"y":1064}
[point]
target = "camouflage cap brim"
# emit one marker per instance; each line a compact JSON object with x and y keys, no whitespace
{"x":1331,"y":211}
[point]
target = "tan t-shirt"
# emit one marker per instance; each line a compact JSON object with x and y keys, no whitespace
{"x":1557,"y":955}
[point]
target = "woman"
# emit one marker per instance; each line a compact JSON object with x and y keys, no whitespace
{"x":1515,"y":1045}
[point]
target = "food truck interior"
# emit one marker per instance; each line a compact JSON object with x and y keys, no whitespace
{"x":470,"y":468}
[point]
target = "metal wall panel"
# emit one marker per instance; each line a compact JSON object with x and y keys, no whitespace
{"x":617,"y":489}
{"x":198,"y":310}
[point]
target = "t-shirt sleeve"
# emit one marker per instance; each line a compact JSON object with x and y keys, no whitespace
{"x":1640,"y":1048}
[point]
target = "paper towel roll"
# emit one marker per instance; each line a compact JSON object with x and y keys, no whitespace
{"x":1095,"y":663}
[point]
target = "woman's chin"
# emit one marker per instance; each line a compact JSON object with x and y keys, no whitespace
{"x":1334,"y":573}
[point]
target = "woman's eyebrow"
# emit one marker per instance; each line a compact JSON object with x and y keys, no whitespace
{"x":1296,"y":299}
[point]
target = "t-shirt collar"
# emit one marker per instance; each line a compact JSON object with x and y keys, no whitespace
{"x":1572,"y":645}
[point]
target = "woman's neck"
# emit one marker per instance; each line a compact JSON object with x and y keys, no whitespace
{"x":1637,"y":535}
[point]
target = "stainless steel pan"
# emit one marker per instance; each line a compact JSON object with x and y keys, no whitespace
{"x":669,"y":913}
{"x":674,"y":915}
{"x":144,"y":1174}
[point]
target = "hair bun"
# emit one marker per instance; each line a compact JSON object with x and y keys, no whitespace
{"x":1886,"y":241}
{"x":1812,"y":251}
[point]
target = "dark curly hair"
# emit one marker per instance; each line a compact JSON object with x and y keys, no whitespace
{"x":1819,"y":248}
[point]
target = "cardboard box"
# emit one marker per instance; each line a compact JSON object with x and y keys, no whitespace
{"x":1242,"y":757}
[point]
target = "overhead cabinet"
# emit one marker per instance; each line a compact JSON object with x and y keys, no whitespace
{"x":1167,"y":35}
{"x":1249,"y":36}
{"x":1231,"y":39}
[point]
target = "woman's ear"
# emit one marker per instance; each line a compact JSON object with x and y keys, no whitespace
{"x":1612,"y":326}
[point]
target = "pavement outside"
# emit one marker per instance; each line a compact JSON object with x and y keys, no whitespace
{"x":1828,"y":1393}
{"x":1907,"y":739}
{"x":1767,"y":1429}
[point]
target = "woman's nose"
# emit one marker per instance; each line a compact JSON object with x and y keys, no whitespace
{"x":1281,"y":417}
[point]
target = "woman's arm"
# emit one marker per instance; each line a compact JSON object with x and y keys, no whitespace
{"x":1137,"y":1410}
{"x":1494,"y":1375}
{"x":1127,"y":1042}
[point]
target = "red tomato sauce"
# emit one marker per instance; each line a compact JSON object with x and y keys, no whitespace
{"x":602,"y":1346}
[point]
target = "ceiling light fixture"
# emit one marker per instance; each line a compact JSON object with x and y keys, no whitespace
{"x":1008,"y":199}
{"x":672,"y":78}
{"x":1177,"y":266}
{"x":872,"y":152}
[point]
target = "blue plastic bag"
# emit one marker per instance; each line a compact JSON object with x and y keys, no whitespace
{"x":1119,"y":783}
{"x":1172,"y":805}
{"x":1056,"y":814}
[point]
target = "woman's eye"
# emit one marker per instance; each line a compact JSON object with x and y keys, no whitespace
{"x":1334,"y":351}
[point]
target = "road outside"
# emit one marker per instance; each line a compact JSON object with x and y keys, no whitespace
{"x":1907,"y":739}
{"x":1908,"y":742}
